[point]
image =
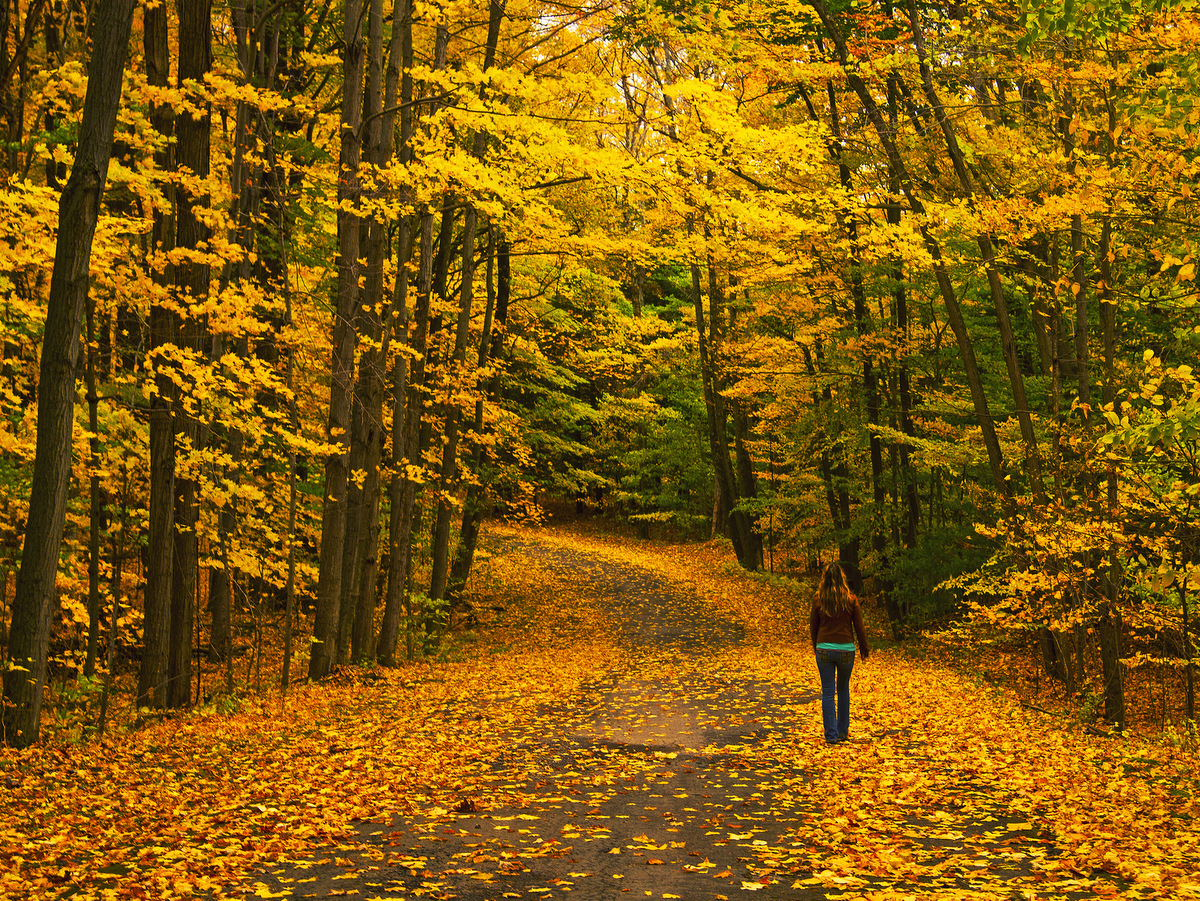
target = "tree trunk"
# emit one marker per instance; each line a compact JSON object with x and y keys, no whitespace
{"x":900,"y":313}
{"x":1033,"y":460}
{"x":333,"y":514}
{"x":160,"y":550}
{"x":96,"y":506}
{"x":747,"y":545}
{"x":494,"y":320}
{"x":747,"y":488}
{"x":220,"y":582}
{"x":368,"y":430}
{"x":79,"y":209}
{"x":408,"y":399}
{"x":714,"y":405}
{"x":1035,"y":262}
{"x":871,"y":390}
{"x":192,"y":131}
{"x":1109,"y":630}
{"x":453,"y":416}
{"x":945,"y":287}
{"x":1189,"y":680}
{"x":293,"y":477}
{"x":1110,"y":623}
{"x":825,"y":465}
{"x":1079,"y":289}
{"x":717,"y":525}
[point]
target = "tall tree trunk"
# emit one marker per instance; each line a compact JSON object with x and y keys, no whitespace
{"x":1079,"y":289}
{"x":368,"y":389}
{"x":79,"y":210}
{"x":416,"y":427}
{"x":333,"y":514}
{"x":871,"y":390}
{"x":160,"y":550}
{"x":494,"y":320}
{"x":192,"y":132}
{"x":1110,"y":619}
{"x":822,"y":399}
{"x":747,"y":487}
{"x":745,"y":484}
{"x":714,"y":405}
{"x":293,"y":477}
{"x":945,"y":287}
{"x":453,"y":414}
{"x":912,"y":503}
{"x":368,"y":430}
{"x":252,"y":178}
{"x":1033,"y":459}
{"x":220,"y":582}
{"x":398,"y":544}
{"x":96,"y":505}
{"x":408,"y":399}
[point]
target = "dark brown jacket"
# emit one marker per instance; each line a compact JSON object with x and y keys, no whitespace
{"x":839,"y":629}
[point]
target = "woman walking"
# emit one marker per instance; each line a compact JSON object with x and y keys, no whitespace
{"x":835,"y":621}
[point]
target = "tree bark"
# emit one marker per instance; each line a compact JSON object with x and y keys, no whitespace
{"x":160,"y":552}
{"x":900,"y":313}
{"x":453,"y":416}
{"x":1079,"y":289}
{"x":368,"y":430}
{"x":192,"y":133}
{"x":408,"y":399}
{"x":494,"y":320}
{"x":79,"y":210}
{"x":714,"y":404}
{"x":96,"y":506}
{"x":453,"y":413}
{"x":745,"y":484}
{"x":1033,"y":459}
{"x":398,"y":543}
{"x":945,"y":287}
{"x":870,"y":389}
{"x":1110,"y":620}
{"x":333,"y":513}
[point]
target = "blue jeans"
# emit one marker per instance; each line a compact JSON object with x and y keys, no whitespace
{"x":835,"y":668}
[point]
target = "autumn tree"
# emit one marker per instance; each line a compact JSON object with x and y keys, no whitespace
{"x":79,"y":209}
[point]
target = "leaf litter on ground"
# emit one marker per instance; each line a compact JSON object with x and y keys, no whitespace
{"x":949,"y":788}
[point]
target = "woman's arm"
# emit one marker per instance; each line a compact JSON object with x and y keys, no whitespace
{"x":860,"y":630}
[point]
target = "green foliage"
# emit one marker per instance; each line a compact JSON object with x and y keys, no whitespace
{"x":923,"y":578}
{"x":655,"y":460}
{"x":431,"y":618}
{"x":75,"y":701}
{"x":1090,"y":19}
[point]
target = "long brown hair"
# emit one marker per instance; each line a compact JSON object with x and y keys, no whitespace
{"x":834,"y":595}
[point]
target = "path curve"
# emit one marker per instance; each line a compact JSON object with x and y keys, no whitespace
{"x":675,"y":776}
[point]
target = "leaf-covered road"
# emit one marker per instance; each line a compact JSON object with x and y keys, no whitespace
{"x":633,"y":720}
{"x":693,"y":767}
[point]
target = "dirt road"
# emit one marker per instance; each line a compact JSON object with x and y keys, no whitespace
{"x":685,"y":773}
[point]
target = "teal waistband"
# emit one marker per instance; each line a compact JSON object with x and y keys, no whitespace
{"x":830,"y":646}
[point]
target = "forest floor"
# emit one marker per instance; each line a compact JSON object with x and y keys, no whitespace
{"x":630,"y":720}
